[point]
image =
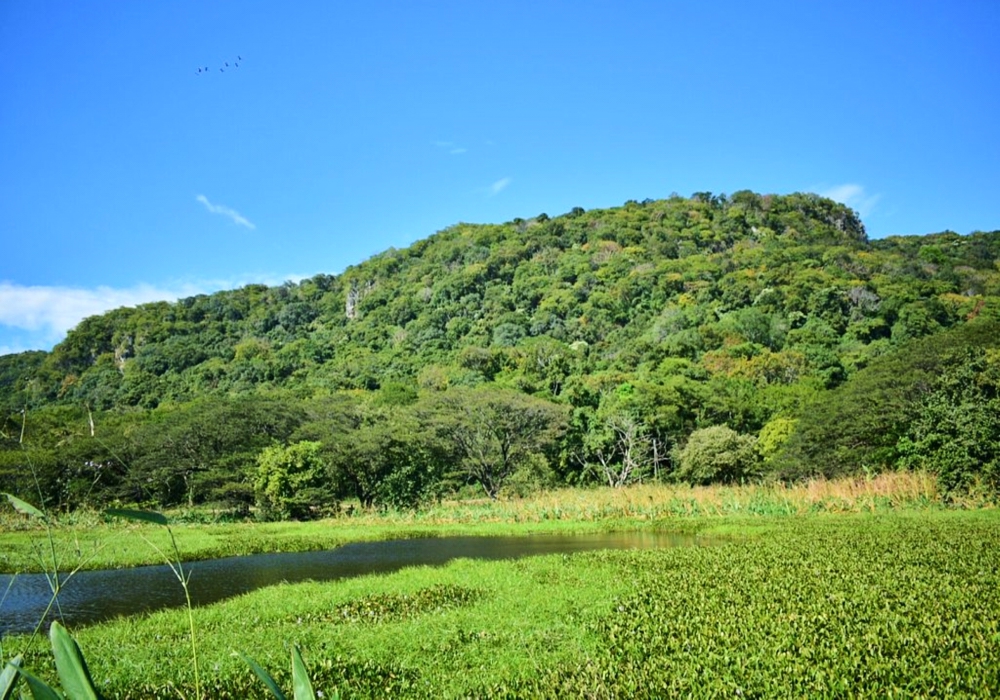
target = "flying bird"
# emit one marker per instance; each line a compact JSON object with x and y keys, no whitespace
{"x":222,"y":68}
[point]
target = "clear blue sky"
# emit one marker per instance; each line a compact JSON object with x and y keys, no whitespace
{"x":350,"y":127}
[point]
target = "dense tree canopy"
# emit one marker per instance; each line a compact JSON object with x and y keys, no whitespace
{"x":624,"y":330}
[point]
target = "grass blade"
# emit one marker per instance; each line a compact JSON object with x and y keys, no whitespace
{"x":148,"y":516}
{"x":264,"y":676}
{"x":71,"y":666}
{"x":39,"y":691}
{"x":24,"y":507}
{"x":302,"y":687}
{"x":8,"y":679}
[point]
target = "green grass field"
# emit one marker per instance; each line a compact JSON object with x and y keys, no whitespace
{"x":892,"y":603}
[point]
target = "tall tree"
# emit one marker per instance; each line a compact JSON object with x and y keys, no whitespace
{"x":496,"y":431}
{"x":185,"y":452}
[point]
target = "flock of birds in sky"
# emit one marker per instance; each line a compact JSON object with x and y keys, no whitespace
{"x":223,"y":67}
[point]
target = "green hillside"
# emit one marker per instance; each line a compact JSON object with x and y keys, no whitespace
{"x":767,"y":327}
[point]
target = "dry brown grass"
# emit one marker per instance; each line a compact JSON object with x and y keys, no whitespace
{"x":888,"y":491}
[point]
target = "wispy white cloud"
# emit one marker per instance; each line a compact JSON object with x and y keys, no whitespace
{"x":450,"y":146}
{"x":499,"y":186}
{"x":854,"y":196}
{"x":236,"y":217}
{"x":38,"y":317}
{"x":54,"y":310}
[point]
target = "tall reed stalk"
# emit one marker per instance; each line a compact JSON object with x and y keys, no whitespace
{"x":48,"y":559}
{"x":177,"y":567}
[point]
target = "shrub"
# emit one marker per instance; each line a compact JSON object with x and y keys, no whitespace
{"x":717,"y":453}
{"x":289,"y":480}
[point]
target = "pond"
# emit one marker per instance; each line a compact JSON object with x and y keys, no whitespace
{"x":92,"y":596}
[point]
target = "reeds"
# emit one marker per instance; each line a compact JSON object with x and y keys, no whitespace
{"x":887,"y":491}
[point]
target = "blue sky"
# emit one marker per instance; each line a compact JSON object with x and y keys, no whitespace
{"x":349,"y":127}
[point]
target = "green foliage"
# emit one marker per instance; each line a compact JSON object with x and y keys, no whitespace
{"x":78,"y":684}
{"x":301,"y":685}
{"x":377,"y":449}
{"x":387,"y":459}
{"x":71,"y":667}
{"x":17,"y":388}
{"x":9,"y":677}
{"x":836,"y":611}
{"x":186,"y":453}
{"x":956,"y":433}
{"x":866,"y":423}
{"x":288,"y":481}
{"x":619,"y":444}
{"x":494,"y":432}
{"x":762,"y":300}
{"x":774,"y":435}
{"x":717,"y":453}
{"x":384,"y":607}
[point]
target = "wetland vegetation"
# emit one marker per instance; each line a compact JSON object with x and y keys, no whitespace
{"x":847,"y":604}
{"x":747,"y":366}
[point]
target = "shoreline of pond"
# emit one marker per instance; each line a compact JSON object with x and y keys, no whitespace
{"x":124,"y":546}
{"x":99,"y":595}
{"x":120,"y":545}
{"x":89,"y":539}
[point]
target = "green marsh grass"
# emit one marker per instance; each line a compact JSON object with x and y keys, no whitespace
{"x":69,"y":661}
{"x":884,"y":604}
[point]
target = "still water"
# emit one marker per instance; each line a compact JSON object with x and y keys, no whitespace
{"x":92,"y":596}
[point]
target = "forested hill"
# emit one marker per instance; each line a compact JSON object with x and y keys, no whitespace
{"x":730,"y":285}
{"x":715,"y":310}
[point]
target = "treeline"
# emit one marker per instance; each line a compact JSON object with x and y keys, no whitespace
{"x":292,"y":457}
{"x":704,"y":338}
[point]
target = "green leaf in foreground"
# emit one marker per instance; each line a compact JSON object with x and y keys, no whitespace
{"x":24,"y":507}
{"x":264,"y":676}
{"x":8,"y":678}
{"x":148,"y":516}
{"x":303,"y":689}
{"x":70,"y":664}
{"x":301,"y":685}
{"x":39,"y":690}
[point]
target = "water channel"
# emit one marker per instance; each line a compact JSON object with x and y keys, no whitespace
{"x":93,"y":596}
